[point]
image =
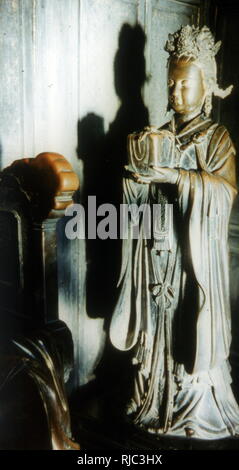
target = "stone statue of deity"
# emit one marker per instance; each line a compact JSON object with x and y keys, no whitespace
{"x":173,"y":309}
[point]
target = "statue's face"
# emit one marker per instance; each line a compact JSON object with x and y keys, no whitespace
{"x":186,"y":87}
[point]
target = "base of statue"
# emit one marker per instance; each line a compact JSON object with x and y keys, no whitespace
{"x":94,"y":434}
{"x":98,"y":425}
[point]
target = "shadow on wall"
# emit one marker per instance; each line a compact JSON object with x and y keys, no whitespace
{"x":0,"y":156}
{"x":104,"y":156}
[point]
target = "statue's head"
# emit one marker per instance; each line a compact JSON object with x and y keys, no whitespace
{"x":192,"y":72}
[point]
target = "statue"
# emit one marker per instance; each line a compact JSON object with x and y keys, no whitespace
{"x":173,"y":309}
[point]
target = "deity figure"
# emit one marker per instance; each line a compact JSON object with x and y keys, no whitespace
{"x":173,"y":309}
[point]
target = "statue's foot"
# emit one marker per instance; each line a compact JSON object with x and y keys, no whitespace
{"x":131,"y":407}
{"x":189,"y":432}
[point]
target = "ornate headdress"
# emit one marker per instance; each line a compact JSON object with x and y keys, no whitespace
{"x":198,"y":44}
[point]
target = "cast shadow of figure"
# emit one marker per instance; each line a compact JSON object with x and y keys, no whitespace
{"x":104,"y":157}
{"x":0,"y":155}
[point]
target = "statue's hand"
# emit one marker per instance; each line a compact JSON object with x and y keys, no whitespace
{"x":164,"y":175}
{"x":157,"y":175}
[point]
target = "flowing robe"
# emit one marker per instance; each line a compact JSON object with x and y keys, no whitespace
{"x":173,"y":309}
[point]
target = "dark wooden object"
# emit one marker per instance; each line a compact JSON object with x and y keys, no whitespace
{"x":33,"y":196}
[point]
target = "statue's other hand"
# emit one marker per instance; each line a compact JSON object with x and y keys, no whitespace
{"x":164,"y":175}
{"x":137,"y":177}
{"x":157,"y":175}
{"x":142,"y":179}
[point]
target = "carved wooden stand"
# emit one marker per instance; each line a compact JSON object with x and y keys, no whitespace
{"x":33,"y":196}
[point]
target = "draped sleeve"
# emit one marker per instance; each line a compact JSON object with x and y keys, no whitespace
{"x":206,"y":195}
{"x":133,"y":283}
